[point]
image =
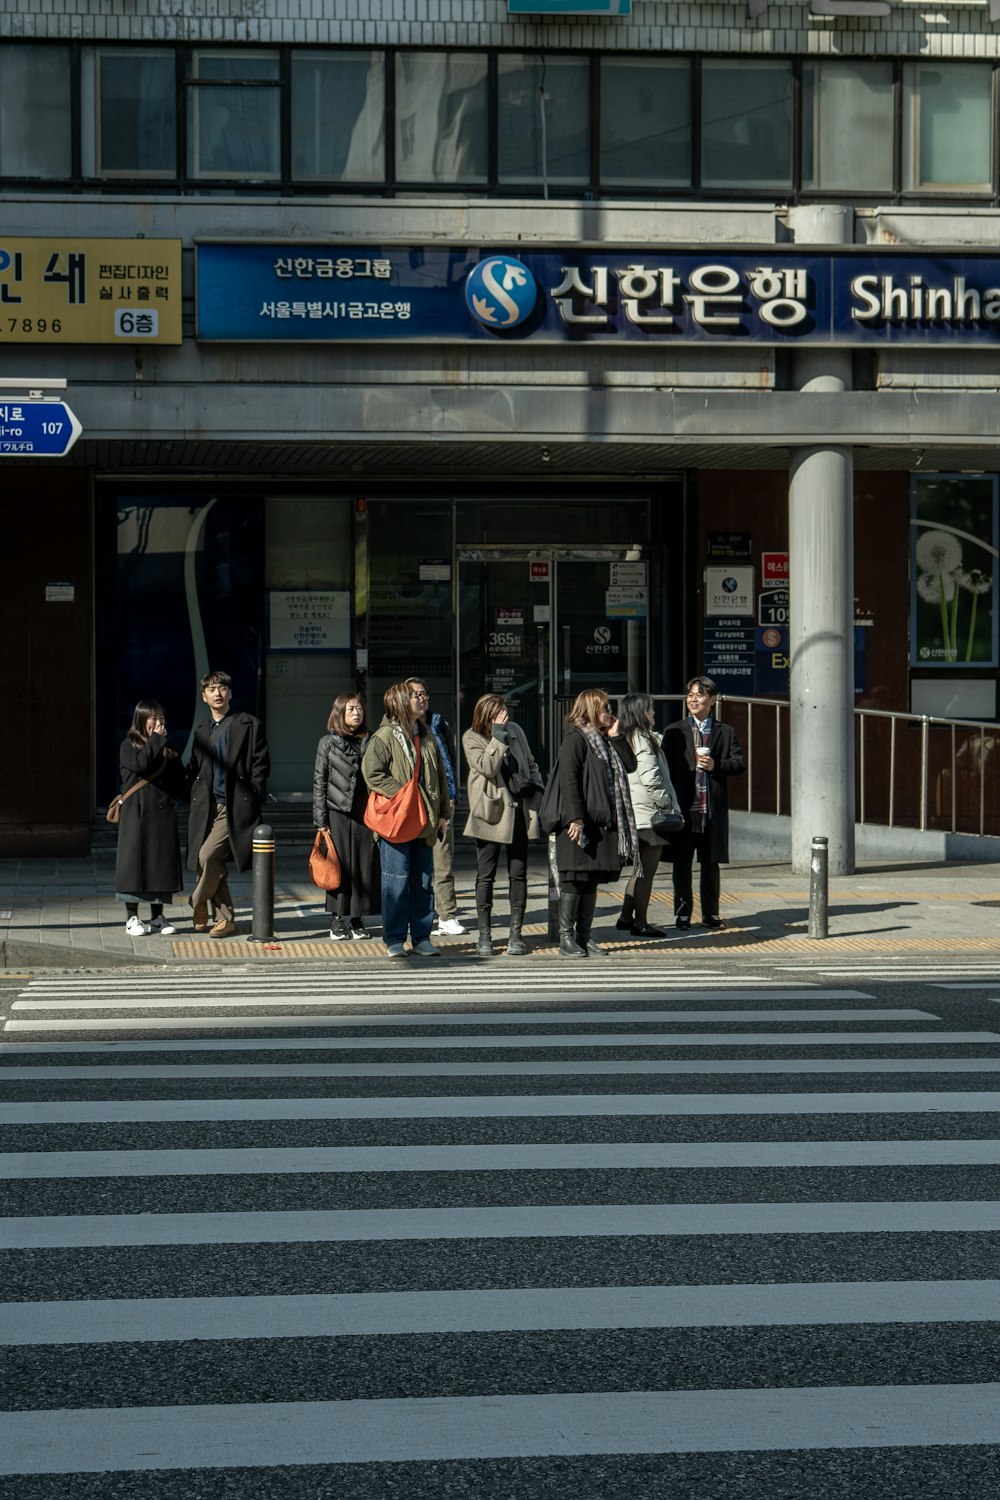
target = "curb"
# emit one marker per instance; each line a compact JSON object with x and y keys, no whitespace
{"x":18,"y":954}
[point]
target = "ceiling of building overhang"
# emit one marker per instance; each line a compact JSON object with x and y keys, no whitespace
{"x":481,"y":461}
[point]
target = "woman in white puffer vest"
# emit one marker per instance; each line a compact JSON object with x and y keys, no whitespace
{"x":654,"y":802}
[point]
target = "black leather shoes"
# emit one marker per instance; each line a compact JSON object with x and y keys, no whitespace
{"x":712,"y":922}
{"x":683,"y":923}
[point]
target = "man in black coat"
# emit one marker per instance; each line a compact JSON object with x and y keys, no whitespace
{"x":702,"y":755}
{"x":228,"y":769}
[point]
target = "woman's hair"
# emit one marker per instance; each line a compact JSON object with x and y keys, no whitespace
{"x":145,"y":709}
{"x":633,"y":718}
{"x":397,"y":701}
{"x":485,"y":712}
{"x":586,"y":711}
{"x":336,"y":723}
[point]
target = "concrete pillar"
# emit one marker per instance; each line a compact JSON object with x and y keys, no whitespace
{"x":821,"y":587}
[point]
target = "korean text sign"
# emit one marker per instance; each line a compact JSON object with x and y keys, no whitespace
{"x":68,"y":291}
{"x":318,"y":291}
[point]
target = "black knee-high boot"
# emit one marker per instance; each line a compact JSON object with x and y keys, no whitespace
{"x":569,"y":902}
{"x":584,"y":922}
{"x":484,"y":947}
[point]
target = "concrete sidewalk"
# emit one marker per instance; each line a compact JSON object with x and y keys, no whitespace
{"x":62,"y":914}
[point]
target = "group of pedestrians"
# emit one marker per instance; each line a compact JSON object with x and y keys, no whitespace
{"x":619,"y":797}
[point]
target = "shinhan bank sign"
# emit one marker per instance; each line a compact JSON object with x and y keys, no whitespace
{"x":569,"y":7}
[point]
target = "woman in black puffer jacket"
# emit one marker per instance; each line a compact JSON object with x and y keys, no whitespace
{"x":339,"y":799}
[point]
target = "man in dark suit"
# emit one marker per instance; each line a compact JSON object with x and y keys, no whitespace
{"x":702,"y":755}
{"x":228,"y":770}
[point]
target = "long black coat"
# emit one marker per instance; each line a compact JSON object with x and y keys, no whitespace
{"x":149,"y":848}
{"x":582,"y":784}
{"x":247,"y":765}
{"x":724,"y":747}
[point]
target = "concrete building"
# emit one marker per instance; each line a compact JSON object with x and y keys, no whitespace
{"x":525,"y":352}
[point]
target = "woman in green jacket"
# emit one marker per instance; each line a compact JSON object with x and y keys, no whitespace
{"x":408,"y":868}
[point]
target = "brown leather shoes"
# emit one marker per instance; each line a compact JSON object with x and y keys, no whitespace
{"x":201,"y":917}
{"x":223,"y":929}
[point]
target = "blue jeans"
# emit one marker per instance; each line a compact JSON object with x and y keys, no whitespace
{"x":407,"y":890}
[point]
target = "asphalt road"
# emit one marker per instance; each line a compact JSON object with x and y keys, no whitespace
{"x":667,"y":1234}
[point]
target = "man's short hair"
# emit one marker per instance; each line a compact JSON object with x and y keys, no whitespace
{"x":705,"y":684}
{"x":211,"y":678}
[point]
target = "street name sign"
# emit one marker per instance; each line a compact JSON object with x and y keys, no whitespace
{"x":36,"y":429}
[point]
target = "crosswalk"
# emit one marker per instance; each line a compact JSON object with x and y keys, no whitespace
{"x":313,"y":1238}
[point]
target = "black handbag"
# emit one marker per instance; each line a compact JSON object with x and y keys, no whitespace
{"x":667,"y":820}
{"x":550,"y":812}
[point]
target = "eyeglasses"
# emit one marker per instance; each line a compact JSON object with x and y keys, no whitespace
{"x":420,"y":695}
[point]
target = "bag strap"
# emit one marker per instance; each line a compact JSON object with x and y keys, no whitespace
{"x":124,"y":796}
{"x":416,"y":758}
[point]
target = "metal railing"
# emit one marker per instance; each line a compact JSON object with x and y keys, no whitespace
{"x":911,"y":770}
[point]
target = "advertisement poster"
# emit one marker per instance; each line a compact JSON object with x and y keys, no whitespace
{"x":953,"y":574}
{"x":83,"y":291}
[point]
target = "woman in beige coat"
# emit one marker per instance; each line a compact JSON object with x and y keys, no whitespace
{"x":504,"y":780}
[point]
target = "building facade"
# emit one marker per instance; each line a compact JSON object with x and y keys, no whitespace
{"x":523,"y":352}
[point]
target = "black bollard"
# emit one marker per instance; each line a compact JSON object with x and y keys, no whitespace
{"x":819,"y":909}
{"x":263,"y":884}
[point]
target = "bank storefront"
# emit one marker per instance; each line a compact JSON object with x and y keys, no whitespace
{"x":630,"y":444}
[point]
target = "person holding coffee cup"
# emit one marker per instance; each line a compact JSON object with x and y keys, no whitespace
{"x":702,"y":754}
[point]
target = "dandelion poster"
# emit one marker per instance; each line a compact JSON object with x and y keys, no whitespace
{"x":953,"y":570}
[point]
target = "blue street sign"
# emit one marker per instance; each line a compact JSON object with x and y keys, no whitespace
{"x":36,"y":429}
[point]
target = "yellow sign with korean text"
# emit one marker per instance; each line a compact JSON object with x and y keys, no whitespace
{"x":81,"y":291}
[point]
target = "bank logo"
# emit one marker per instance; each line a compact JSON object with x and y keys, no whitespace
{"x":730,"y":585}
{"x":500,"y":292}
{"x":602,"y":635}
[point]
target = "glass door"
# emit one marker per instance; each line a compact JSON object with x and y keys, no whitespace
{"x":504,"y":640}
{"x":539,"y":626}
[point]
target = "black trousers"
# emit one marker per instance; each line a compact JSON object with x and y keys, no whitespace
{"x":683,"y":847}
{"x":488,"y":860}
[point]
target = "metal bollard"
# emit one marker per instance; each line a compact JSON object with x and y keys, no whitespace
{"x":263,"y":884}
{"x":553,"y":933}
{"x":819,"y":910}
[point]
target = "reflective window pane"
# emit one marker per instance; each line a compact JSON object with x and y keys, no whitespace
{"x":946,"y":126}
{"x":847,"y":126}
{"x":338,"y":110}
{"x":441,"y":131}
{"x":544,"y":119}
{"x":235,"y":130}
{"x":135,"y":113}
{"x":645,"y":121}
{"x":746,"y":123}
{"x":35,"y":123}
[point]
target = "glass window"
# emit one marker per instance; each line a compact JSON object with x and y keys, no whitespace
{"x":35,"y":123}
{"x":746,"y":123}
{"x":441,"y":117}
{"x":234,"y":120}
{"x":544,"y":119}
{"x":946,"y":126}
{"x":847,"y":115}
{"x":129,"y":112}
{"x":645,"y":121}
{"x":338,"y":116}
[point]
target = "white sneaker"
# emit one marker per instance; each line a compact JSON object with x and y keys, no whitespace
{"x":336,"y":936}
{"x":426,"y":949}
{"x":360,"y":932}
{"x":395,"y":950}
{"x":164,"y":927}
{"x":449,"y":927}
{"x":135,"y":928}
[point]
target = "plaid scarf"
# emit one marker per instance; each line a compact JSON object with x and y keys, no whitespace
{"x":699,"y":807}
{"x":619,"y":796}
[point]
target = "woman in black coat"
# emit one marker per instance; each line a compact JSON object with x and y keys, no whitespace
{"x":339,"y":799}
{"x":598,"y":834}
{"x":148,"y":862}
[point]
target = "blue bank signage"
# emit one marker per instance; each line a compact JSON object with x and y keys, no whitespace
{"x":36,"y":429}
{"x":317,"y":292}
